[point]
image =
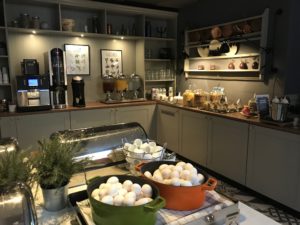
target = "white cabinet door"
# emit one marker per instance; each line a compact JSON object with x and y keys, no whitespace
{"x":227,"y":148}
{"x":31,"y":128}
{"x":194,"y":136}
{"x":91,"y":118}
{"x":274,"y":165}
{"x":168,"y":127}
{"x":8,"y":127}
{"x":144,"y":115}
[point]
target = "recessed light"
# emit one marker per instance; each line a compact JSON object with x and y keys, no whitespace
{"x":34,"y":32}
{"x":122,"y":38}
{"x":81,"y":35}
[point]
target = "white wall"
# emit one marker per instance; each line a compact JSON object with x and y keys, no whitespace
{"x":29,"y":46}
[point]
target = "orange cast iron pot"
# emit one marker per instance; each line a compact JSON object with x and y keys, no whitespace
{"x":179,"y":198}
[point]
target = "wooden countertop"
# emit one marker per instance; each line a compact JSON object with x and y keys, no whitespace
{"x":239,"y":117}
{"x":89,"y":106}
{"x":98,"y":105}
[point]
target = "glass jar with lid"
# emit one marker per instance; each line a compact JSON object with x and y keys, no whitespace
{"x":188,"y":97}
{"x":200,"y":97}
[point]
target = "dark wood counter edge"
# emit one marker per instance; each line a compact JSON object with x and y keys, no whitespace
{"x":237,"y":117}
{"x":89,"y":106}
{"x":99,"y":105}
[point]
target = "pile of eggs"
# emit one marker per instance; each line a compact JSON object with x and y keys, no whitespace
{"x":123,"y":194}
{"x":181,"y":174}
{"x":146,"y":151}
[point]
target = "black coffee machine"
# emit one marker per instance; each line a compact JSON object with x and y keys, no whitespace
{"x":78,"y":91}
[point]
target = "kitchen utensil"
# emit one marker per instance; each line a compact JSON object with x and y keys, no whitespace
{"x":279,"y":110}
{"x":124,"y":215}
{"x":179,"y":197}
{"x":17,"y":206}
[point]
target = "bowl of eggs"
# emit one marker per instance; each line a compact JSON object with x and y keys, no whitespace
{"x":124,"y":200}
{"x":142,"y":151}
{"x":181,"y":184}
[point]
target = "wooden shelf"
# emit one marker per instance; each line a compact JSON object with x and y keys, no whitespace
{"x":226,"y":57}
{"x":71,"y":33}
{"x":158,"y":60}
{"x":223,"y":71}
{"x":164,"y":80}
{"x":159,"y":39}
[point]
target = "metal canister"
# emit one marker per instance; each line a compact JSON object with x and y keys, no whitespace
{"x":35,"y":22}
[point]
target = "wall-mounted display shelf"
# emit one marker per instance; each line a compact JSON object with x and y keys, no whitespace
{"x":162,"y":80}
{"x":229,"y":50}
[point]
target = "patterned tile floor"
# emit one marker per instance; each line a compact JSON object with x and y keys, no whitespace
{"x":269,"y":210}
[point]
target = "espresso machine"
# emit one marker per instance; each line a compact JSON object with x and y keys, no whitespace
{"x":58,"y":79}
{"x":33,"y":93}
{"x":78,"y":91}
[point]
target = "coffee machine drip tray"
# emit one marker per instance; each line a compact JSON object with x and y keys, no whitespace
{"x":112,"y":101}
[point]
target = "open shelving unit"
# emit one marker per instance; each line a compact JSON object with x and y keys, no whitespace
{"x":251,"y":39}
{"x":127,"y":23}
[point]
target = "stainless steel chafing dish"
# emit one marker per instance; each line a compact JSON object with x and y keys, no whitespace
{"x":98,"y":142}
{"x":8,"y":144}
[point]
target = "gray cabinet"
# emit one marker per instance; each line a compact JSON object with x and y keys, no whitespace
{"x":194,"y":136}
{"x":91,"y":118}
{"x":168,"y":127}
{"x":8,"y":127}
{"x":31,"y":128}
{"x":274,"y":165}
{"x":144,"y":115}
{"x":227,"y":148}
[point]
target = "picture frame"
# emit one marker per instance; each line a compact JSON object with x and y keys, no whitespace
{"x":111,"y":62}
{"x":77,"y":59}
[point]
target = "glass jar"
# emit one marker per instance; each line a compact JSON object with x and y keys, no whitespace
{"x":108,"y":84}
{"x":35,"y":22}
{"x":188,"y":98}
{"x":25,"y":20}
{"x":121,"y":83}
{"x":200,"y":98}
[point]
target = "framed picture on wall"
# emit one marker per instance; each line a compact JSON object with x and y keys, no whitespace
{"x":77,"y":59}
{"x":111,"y":62}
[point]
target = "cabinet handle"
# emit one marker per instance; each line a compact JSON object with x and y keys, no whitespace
{"x":168,"y":113}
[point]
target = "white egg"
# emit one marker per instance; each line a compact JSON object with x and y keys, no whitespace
{"x":171,"y":167}
{"x":130,"y":194}
{"x":129,"y":201}
{"x":193,"y":178}
{"x":144,"y":145}
{"x":147,"y":157}
{"x":147,"y":149}
{"x":98,"y":198}
{"x":139,"y":196}
{"x":166,"y":173}
{"x":146,"y":195}
{"x":147,"y":190}
{"x":188,"y":166}
{"x":186,"y":183}
{"x":152,"y":144}
{"x":178,"y":168}
{"x":157,"y":172}
{"x":201,"y":178}
{"x":138,"y":142}
{"x":174,"y":174}
{"x":162,"y":166}
{"x":158,"y":149}
{"x":148,"y":174}
{"x":96,"y":193}
{"x":143,"y":201}
{"x":127,"y":185}
{"x":193,"y":170}
{"x":118,"y":200}
{"x":158,"y":177}
{"x":118,"y":186}
{"x":112,"y":180}
{"x":122,"y":191}
{"x":167,"y":181}
{"x":126,"y":146}
{"x":113,"y":190}
{"x":131,"y":148}
{"x":136,"y":188}
{"x":175,"y":181}
{"x":185,"y":174}
{"x":103,"y":185}
{"x":108,"y":200}
{"x":103,"y":192}
{"x":181,"y":164}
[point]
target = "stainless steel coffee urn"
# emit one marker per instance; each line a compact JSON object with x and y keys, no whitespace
{"x":58,"y":79}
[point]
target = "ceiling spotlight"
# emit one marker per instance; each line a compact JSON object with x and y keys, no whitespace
{"x":34,"y":32}
{"x":81,"y":35}
{"x":122,"y":38}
